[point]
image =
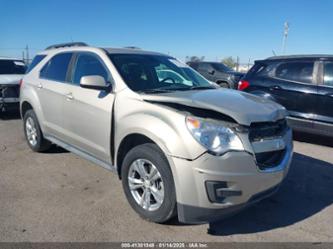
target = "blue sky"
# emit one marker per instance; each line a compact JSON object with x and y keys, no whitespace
{"x":214,"y":29}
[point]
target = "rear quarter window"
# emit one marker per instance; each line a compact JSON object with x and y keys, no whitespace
{"x":56,"y":68}
{"x":261,"y":69}
{"x":35,"y":61}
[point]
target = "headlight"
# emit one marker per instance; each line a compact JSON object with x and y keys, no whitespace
{"x":214,"y":136}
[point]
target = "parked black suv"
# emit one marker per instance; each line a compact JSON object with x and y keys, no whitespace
{"x":218,"y":73}
{"x":303,"y":84}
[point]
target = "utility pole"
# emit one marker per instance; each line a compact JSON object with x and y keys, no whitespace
{"x":23,"y":56}
{"x":27,"y":54}
{"x":285,"y":36}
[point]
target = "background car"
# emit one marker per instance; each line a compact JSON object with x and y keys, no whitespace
{"x":218,"y":73}
{"x":11,"y":72}
{"x":303,"y":84}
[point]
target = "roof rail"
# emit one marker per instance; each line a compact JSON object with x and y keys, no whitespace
{"x":69,"y":44}
{"x":132,"y":47}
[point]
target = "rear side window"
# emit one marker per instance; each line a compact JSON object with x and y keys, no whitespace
{"x":56,"y":68}
{"x":295,"y":71}
{"x":328,"y":74}
{"x":12,"y":67}
{"x":88,"y":64}
{"x":35,"y":61}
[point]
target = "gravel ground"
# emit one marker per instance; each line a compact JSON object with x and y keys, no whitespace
{"x":57,"y":196}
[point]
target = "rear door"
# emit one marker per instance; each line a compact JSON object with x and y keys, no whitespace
{"x":294,"y":86}
{"x":88,"y":112}
{"x":324,"y":109}
{"x":51,"y":88}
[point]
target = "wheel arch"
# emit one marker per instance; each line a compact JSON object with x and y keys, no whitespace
{"x":220,"y":81}
{"x":130,"y":141}
{"x":25,"y":106}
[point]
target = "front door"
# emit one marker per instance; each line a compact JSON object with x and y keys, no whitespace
{"x":88,"y":112}
{"x":294,"y":86}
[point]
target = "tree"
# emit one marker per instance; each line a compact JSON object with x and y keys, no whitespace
{"x":195,"y":58}
{"x":229,"y":62}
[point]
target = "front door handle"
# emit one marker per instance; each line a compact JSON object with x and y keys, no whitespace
{"x":69,"y":96}
{"x":39,"y":86}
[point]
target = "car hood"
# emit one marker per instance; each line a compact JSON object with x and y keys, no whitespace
{"x":243,"y":107}
{"x":10,"y":79}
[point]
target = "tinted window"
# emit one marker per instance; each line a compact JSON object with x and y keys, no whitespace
{"x":35,"y":61}
{"x":295,"y":71}
{"x":88,"y":64}
{"x":328,"y":74}
{"x":262,"y":69}
{"x":56,"y":67}
{"x":12,"y":67}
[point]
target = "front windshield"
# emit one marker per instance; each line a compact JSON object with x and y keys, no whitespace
{"x":155,"y":73}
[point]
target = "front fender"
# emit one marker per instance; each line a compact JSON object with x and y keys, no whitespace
{"x":174,"y":141}
{"x":163,"y":125}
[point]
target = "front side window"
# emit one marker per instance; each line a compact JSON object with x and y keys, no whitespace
{"x":12,"y":67}
{"x":295,"y":71}
{"x":328,"y":74}
{"x":157,"y":73}
{"x":88,"y":64}
{"x":56,"y":68}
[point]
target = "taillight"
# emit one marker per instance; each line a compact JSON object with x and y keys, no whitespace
{"x":243,"y":84}
{"x":21,"y":83}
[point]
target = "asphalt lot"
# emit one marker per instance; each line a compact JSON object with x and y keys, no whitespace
{"x":57,"y":196}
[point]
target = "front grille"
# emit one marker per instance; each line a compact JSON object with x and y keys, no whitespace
{"x":271,"y":159}
{"x":267,"y":130}
{"x":9,"y":91}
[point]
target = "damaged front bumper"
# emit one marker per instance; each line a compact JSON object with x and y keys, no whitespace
{"x":9,"y":97}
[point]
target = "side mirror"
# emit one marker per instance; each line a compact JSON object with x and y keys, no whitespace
{"x":211,"y":71}
{"x":94,"y":82}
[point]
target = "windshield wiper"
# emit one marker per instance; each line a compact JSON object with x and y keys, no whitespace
{"x":201,"y":87}
{"x":171,"y":89}
{"x":157,"y":90}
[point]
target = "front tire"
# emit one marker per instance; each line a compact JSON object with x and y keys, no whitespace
{"x":148,"y":183}
{"x":33,"y":133}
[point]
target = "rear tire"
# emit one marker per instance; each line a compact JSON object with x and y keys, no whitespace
{"x":146,"y":172}
{"x":33,"y":133}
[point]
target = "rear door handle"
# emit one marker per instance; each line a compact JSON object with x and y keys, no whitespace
{"x":39,"y":86}
{"x":275,"y":88}
{"x":69,"y":96}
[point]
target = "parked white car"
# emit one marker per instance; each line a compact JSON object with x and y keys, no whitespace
{"x":11,"y":73}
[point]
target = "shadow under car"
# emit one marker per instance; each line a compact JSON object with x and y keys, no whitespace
{"x":306,"y":191}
